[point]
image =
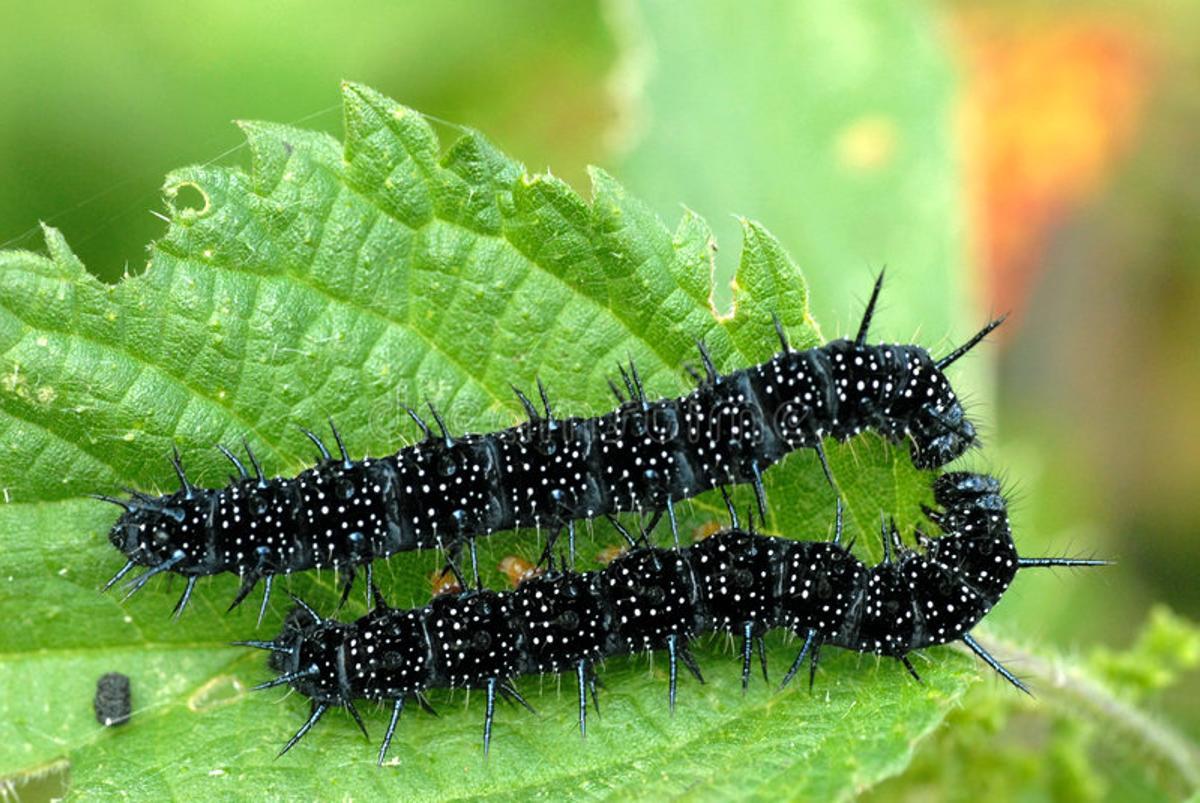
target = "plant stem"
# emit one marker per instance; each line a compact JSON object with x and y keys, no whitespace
{"x":1072,"y":687}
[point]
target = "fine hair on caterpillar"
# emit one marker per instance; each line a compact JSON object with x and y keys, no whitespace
{"x":650,"y":599}
{"x":548,"y":472}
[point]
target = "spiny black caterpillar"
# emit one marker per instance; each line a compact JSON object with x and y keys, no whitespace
{"x":734,"y":582}
{"x":548,"y":472}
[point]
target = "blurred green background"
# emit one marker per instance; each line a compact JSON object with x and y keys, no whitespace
{"x":1070,"y":131}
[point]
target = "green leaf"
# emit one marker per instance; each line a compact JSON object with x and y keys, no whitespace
{"x":346,"y":281}
{"x":1097,"y":737}
{"x":832,"y":121}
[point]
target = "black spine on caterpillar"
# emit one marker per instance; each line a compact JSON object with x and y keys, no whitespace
{"x":736,"y":582}
{"x":549,"y":472}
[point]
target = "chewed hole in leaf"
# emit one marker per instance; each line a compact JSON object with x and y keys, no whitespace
{"x":188,"y":200}
{"x":46,"y":782}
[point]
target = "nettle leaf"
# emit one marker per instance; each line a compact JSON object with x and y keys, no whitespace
{"x":345,"y":280}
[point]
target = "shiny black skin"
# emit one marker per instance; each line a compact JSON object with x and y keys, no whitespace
{"x":649,"y":599}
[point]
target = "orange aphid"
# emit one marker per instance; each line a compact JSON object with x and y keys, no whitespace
{"x":611,"y":553}
{"x":518,"y":570}
{"x":705,"y":530}
{"x":444,"y":582}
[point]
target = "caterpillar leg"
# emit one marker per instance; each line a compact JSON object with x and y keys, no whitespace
{"x":547,"y":557}
{"x":474,"y":562}
{"x":581,"y":675}
{"x":318,"y":711}
{"x":733,"y":516}
{"x":810,"y":643}
{"x":267,"y":599}
{"x":348,"y":573}
{"x":674,"y":522}
{"x":140,"y":581}
{"x":812,"y":666}
{"x":397,"y":709}
{"x":509,"y":694}
{"x":124,"y":570}
{"x":760,"y":492}
{"x":489,"y":716}
{"x":749,"y":642}
{"x":453,"y":553}
{"x":677,"y":651}
{"x":837,"y":522}
{"x":819,"y":448}
{"x":911,"y":669}
{"x":585,"y":676}
{"x":250,"y":579}
{"x":762,"y":658}
{"x":358,"y":720}
{"x":183,"y":600}
{"x":287,"y":678}
{"x":978,"y":649}
{"x":673,"y":670}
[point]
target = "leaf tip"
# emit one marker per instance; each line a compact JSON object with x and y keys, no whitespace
{"x":354,"y":93}
{"x":60,"y":252}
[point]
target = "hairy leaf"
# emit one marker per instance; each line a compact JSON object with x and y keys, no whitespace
{"x":344,"y":280}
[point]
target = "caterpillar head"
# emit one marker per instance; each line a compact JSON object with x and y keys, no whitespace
{"x":154,"y":530}
{"x":306,"y":654}
{"x":940,"y":431}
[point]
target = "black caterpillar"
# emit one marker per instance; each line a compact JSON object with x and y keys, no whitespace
{"x":550,"y":471}
{"x":735,"y":582}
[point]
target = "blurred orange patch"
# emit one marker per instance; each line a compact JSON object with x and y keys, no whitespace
{"x":444,"y":582}
{"x":705,"y":530}
{"x":610,"y":553}
{"x":518,"y":570}
{"x":1051,"y":104}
